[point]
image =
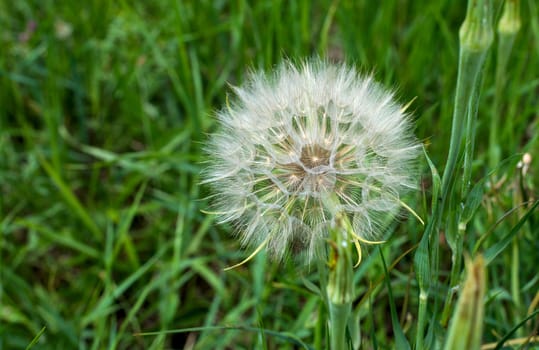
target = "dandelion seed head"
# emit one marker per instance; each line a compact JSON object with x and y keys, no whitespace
{"x":290,"y":141}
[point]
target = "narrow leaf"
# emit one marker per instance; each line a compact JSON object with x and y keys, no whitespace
{"x":497,"y":248}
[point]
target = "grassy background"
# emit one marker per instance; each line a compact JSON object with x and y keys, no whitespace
{"x":104,"y":109}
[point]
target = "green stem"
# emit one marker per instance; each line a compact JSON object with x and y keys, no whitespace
{"x":340,"y":289}
{"x":338,"y":315}
{"x":508,"y":27}
{"x":515,"y":281}
{"x":422,"y":267}
{"x":471,"y":59}
{"x":476,"y":36}
{"x":423,"y":301}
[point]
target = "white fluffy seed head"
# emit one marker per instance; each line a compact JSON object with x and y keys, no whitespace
{"x":305,"y":134}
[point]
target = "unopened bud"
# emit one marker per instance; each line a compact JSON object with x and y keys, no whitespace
{"x":509,"y":23}
{"x":476,"y":33}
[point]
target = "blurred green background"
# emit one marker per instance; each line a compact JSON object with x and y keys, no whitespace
{"x":104,"y":109}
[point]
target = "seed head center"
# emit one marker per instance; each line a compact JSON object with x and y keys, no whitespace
{"x":314,"y":155}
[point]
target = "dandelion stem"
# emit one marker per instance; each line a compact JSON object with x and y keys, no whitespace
{"x":340,"y":288}
{"x":338,"y":314}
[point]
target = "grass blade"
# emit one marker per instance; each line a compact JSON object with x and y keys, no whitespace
{"x":500,"y":246}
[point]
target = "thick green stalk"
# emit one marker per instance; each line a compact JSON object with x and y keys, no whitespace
{"x":338,"y":314}
{"x":340,"y":289}
{"x":475,"y":36}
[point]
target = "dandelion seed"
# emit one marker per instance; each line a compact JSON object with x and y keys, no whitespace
{"x":303,"y":145}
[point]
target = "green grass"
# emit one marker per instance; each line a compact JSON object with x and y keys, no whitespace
{"x":102,"y":236}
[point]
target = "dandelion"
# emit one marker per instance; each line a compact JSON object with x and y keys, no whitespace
{"x":305,"y":148}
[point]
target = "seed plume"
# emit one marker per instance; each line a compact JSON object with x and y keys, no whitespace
{"x":298,"y":147}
